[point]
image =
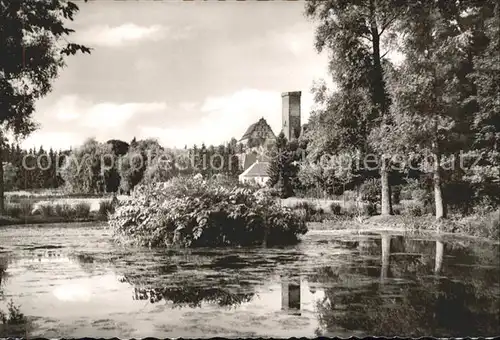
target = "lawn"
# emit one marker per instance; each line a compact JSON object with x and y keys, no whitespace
{"x":54,"y":197}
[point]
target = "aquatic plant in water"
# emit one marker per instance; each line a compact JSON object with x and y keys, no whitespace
{"x":13,"y":323}
{"x":192,"y":212}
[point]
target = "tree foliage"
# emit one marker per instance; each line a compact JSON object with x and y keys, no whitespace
{"x":34,"y":46}
{"x":283,"y":167}
{"x":86,"y":168}
{"x":190,"y":212}
{"x":440,"y":103}
{"x":353,"y":34}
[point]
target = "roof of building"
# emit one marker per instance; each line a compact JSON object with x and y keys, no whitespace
{"x":257,"y":169}
{"x":252,"y":128}
{"x":249,"y":131}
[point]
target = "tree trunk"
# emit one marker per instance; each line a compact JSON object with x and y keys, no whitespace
{"x":379,"y":101}
{"x":386,"y":253}
{"x":379,"y":94}
{"x":438,"y":195}
{"x":438,"y":192}
{"x":386,"y":208}
{"x":439,"y":256}
{"x":2,"y":207}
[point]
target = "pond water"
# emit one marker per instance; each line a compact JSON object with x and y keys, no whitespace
{"x":72,"y":281}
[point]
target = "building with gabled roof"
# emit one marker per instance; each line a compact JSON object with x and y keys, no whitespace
{"x":257,"y":173}
{"x":257,"y":134}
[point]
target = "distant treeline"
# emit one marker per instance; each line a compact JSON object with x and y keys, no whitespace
{"x":113,"y":166}
{"x":44,"y":176}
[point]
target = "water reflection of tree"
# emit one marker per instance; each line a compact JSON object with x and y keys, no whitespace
{"x":192,"y":296}
{"x":13,"y":323}
{"x":425,"y":304}
{"x":195,"y":277}
{"x":171,"y":284}
{"x":3,"y":272}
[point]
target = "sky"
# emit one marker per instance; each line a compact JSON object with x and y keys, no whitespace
{"x":182,"y":72}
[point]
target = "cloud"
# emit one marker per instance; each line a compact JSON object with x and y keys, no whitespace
{"x":225,"y":117}
{"x":84,"y":118}
{"x":55,"y":140}
{"x":104,"y":115}
{"x":187,"y":106}
{"x":221,"y":118}
{"x":296,"y":38}
{"x":65,"y":108}
{"x":121,"y":35}
{"x":215,"y":120}
{"x":112,"y":115}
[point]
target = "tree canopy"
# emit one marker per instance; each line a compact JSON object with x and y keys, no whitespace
{"x":33,"y":36}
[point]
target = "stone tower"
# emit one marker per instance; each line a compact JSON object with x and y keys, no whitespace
{"x":291,"y":114}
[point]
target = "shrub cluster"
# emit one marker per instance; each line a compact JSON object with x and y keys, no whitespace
{"x":106,"y":208}
{"x":361,"y":209}
{"x":26,"y":208}
{"x":309,"y":212}
{"x":335,"y":208}
{"x":13,"y":316}
{"x":192,"y":212}
{"x":79,"y":210}
{"x":371,"y":191}
{"x":483,"y":225}
{"x":13,"y":323}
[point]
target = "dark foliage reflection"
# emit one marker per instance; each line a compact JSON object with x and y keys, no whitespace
{"x":376,"y":284}
{"x":191,"y":278}
{"x":422,"y":290}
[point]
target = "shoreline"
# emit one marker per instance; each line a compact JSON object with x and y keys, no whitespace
{"x":376,"y":224}
{"x":6,"y":221}
{"x":403,"y":225}
{"x":399,"y":231}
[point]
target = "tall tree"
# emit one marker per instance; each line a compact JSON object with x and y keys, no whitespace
{"x":86,"y":169}
{"x":133,"y":164}
{"x":437,"y":107}
{"x":34,"y":46}
{"x":485,"y":176}
{"x":354,"y":32}
{"x":282,"y":168}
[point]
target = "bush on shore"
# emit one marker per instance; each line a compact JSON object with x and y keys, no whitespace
{"x":106,"y":208}
{"x":310,"y":212}
{"x":18,"y":209}
{"x":479,"y":225}
{"x":63,"y":210}
{"x":191,"y":212}
{"x":79,"y":210}
{"x":82,"y":210}
{"x":371,"y":191}
{"x":13,"y":323}
{"x":483,"y":225}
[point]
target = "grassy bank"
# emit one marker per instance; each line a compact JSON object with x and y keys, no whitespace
{"x":484,"y":226}
{"x":58,"y":211}
{"x":320,"y":214}
{"x":8,"y":221}
{"x":409,"y":216}
{"x":41,"y":198}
